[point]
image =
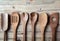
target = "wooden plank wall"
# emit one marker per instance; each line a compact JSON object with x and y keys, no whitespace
{"x":7,"y":7}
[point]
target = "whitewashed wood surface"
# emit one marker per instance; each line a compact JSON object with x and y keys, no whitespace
{"x":22,"y":6}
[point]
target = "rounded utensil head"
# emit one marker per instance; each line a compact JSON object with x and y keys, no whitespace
{"x":54,"y":19}
{"x":33,"y":17}
{"x":43,"y":19}
{"x":24,"y":16}
{"x":4,"y":22}
{"x":15,"y":19}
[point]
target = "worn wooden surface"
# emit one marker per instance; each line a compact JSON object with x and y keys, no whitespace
{"x":9,"y":6}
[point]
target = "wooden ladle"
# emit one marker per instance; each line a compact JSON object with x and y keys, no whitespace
{"x":24,"y":19}
{"x":33,"y":19}
{"x":14,"y":23}
{"x":42,"y":23}
{"x":54,"y":20}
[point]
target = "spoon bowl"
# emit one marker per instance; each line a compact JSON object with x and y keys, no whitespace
{"x":24,"y":17}
{"x":14,"y":20}
{"x":33,"y":17}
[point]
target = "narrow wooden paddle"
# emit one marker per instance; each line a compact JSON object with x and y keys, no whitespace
{"x":24,"y":19}
{"x":42,"y":23}
{"x":54,"y":20}
{"x":33,"y":19}
{"x":4,"y":24}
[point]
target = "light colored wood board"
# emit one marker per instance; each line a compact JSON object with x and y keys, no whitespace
{"x":1,"y":40}
{"x":7,"y":2}
{"x":29,"y":28}
{"x":2,"y":35}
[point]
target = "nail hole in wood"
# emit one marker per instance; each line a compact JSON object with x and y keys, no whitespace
{"x":13,"y":7}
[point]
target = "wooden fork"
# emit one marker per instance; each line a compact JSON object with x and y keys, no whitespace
{"x":33,"y":19}
{"x":42,"y":23}
{"x":14,"y":23}
{"x":54,"y":20}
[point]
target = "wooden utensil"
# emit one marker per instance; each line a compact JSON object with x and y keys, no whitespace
{"x":4,"y":24}
{"x":0,"y":21}
{"x":42,"y":23}
{"x":14,"y":23}
{"x":33,"y":19}
{"x":54,"y":20}
{"x":24,"y":19}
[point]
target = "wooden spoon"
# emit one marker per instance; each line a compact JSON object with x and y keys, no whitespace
{"x":24,"y":19}
{"x":42,"y":23}
{"x":14,"y":23}
{"x":33,"y":19}
{"x":54,"y":20}
{"x":4,"y":24}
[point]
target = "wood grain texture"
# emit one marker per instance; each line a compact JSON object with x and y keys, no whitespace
{"x":24,"y":19}
{"x":33,"y":19}
{"x":54,"y":21}
{"x":14,"y":23}
{"x":43,"y":19}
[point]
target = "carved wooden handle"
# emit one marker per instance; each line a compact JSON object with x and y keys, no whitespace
{"x":24,"y":32}
{"x":54,"y":20}
{"x":33,"y":32}
{"x":42,"y":36}
{"x":53,"y":34}
{"x":15,"y":35}
{"x":5,"y":36}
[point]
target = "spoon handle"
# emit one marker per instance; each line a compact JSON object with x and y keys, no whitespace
{"x":24,"y":32}
{"x":15,"y":35}
{"x":53,"y":34}
{"x":33,"y":32}
{"x":42,"y":35}
{"x":5,"y":36}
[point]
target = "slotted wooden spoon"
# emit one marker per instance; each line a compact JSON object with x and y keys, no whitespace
{"x":42,"y":23}
{"x":24,"y":19}
{"x":54,"y":20}
{"x":14,"y":23}
{"x":33,"y":19}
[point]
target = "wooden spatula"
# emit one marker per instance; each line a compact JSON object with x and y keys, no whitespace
{"x":42,"y":23}
{"x":54,"y":20}
{"x":33,"y":19}
{"x":4,"y":24}
{"x":24,"y":19}
{"x":14,"y":23}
